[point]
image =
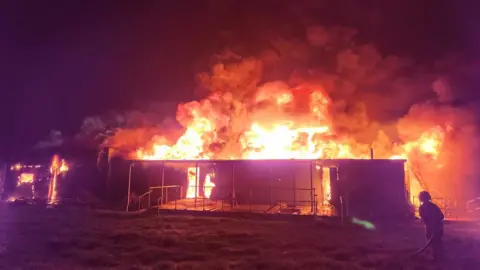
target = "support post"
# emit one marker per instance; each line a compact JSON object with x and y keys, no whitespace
{"x":341,"y":209}
{"x":176,"y":197}
{"x":196,"y":185}
{"x":33,"y":191}
{"x":250,"y":196}
{"x":323,"y":197}
{"x":312,"y":192}
{"x":371,"y":152}
{"x":270,"y":189}
{"x":109,"y":174}
{"x":129,"y":186}
{"x":445,"y":206}
{"x":294,"y":190}
{"x":149,"y":199}
{"x":163,"y":183}
{"x":234,"y":198}
{"x":347,"y":207}
{"x":408,"y":182}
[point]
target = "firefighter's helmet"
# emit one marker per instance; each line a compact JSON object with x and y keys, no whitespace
{"x":424,"y":196}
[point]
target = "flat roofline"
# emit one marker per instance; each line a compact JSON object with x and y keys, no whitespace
{"x":264,"y":160}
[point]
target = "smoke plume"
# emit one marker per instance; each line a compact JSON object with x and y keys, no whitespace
{"x":326,"y":77}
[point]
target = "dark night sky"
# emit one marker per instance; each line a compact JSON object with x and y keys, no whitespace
{"x":65,"y":60}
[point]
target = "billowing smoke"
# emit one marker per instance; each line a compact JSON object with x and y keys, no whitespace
{"x":326,"y":79}
{"x":455,"y":174}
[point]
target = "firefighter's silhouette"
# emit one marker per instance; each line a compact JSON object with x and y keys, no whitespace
{"x":432,"y":217}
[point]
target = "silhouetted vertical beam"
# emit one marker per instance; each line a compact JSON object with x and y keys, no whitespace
{"x":311,"y":187}
{"x":294,"y":190}
{"x":196,"y":184}
{"x":129,"y":186}
{"x":233,"y":185}
{"x":163,"y":182}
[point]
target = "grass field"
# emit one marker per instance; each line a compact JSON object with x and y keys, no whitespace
{"x":37,"y":238}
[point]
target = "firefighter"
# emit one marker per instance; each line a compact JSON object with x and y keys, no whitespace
{"x":432,"y":217}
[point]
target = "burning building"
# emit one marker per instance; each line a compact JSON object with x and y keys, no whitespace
{"x":295,"y":129}
{"x":315,"y":116}
{"x":27,"y":181}
{"x":36,"y":181}
{"x":356,"y":187}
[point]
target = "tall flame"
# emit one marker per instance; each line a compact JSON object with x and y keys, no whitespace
{"x":276,"y":123}
{"x":208,"y":185}
{"x":193,"y":177}
{"x":57,"y":167}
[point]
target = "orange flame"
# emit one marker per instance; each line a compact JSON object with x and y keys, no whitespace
{"x":208,"y":185}
{"x":429,"y":143}
{"x":276,"y":123}
{"x":326,"y":185}
{"x":304,"y":138}
{"x":57,"y":167}
{"x":193,"y":176}
{"x":25,"y":178}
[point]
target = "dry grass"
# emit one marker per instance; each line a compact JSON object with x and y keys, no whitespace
{"x":37,"y":238}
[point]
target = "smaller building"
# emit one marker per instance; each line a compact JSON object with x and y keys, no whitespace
{"x":27,"y":181}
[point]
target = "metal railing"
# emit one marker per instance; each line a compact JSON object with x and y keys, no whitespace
{"x":228,"y":201}
{"x":447,"y":205}
{"x":473,"y":205}
{"x":163,"y":198}
{"x":145,"y":200}
{"x":141,"y":202}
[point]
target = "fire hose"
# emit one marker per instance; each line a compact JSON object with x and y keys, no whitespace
{"x":420,"y":251}
{"x":368,"y":225}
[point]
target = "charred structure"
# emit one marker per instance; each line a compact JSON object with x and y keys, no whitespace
{"x":27,"y":181}
{"x":361,"y":188}
{"x":29,"y":176}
